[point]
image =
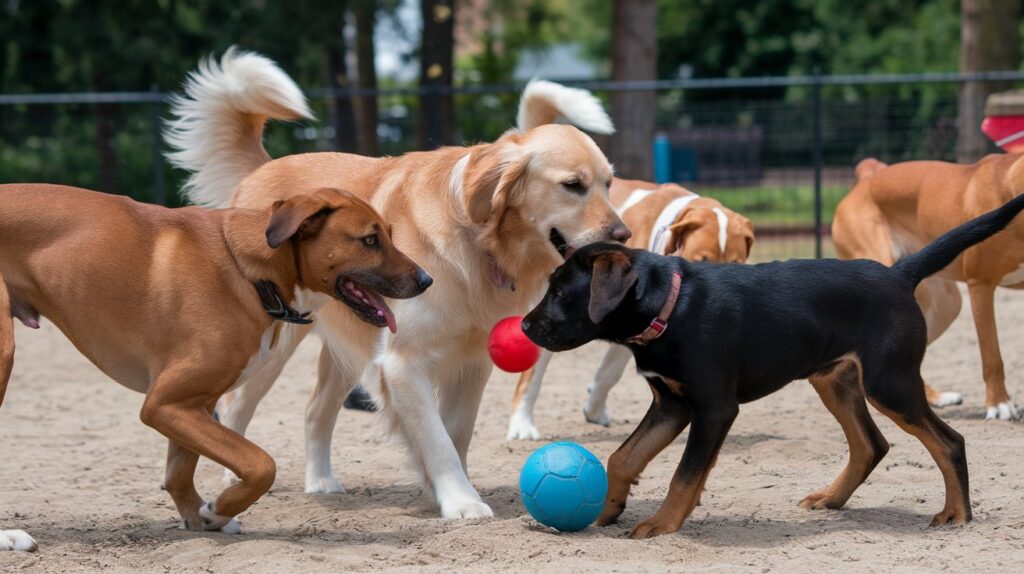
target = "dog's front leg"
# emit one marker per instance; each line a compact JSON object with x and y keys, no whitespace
{"x":173,"y":409}
{"x":940,"y":301}
{"x":665,"y":419}
{"x":179,"y":481}
{"x":460,"y":402}
{"x":710,"y":425}
{"x":612,"y":366}
{"x":408,"y":397}
{"x":997,"y":399}
{"x":520,"y":426}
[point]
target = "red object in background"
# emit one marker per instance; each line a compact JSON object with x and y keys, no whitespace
{"x":510,"y":348}
{"x":1006,"y":131}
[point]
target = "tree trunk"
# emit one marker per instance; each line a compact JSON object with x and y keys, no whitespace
{"x":366,"y":106}
{"x":344,"y":118}
{"x":436,"y":61}
{"x":989,"y":40}
{"x":634,"y":57}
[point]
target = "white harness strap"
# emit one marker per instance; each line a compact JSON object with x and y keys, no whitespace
{"x":634,"y":198}
{"x":659,"y":233}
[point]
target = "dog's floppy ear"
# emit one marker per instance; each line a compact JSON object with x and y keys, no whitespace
{"x":612,"y":277}
{"x":494,"y":179}
{"x":680,"y":230}
{"x":301,"y":215}
{"x":748,"y":233}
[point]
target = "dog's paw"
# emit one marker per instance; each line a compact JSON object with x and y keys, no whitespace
{"x":950,"y":516}
{"x":598,"y":418}
{"x":17,"y":540}
{"x":1003,"y":411}
{"x":948,"y":398}
{"x":652,"y":527}
{"x":467,"y":509}
{"x":324,"y":485}
{"x":819,"y":501}
{"x":521,"y":428}
{"x":216,"y":523}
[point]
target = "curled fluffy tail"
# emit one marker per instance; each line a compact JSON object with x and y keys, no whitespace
{"x":949,"y":245}
{"x":542,"y":102}
{"x":217,"y":128}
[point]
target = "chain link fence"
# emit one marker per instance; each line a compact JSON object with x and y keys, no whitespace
{"x":779,"y":150}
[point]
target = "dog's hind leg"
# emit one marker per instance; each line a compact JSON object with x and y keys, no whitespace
{"x":608,"y":374}
{"x":520,"y":425}
{"x":899,"y":395}
{"x":6,"y":339}
{"x":667,"y":416}
{"x":334,"y":382}
{"x":840,"y":390}
{"x":237,"y":408}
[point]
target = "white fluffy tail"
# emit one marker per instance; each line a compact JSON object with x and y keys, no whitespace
{"x":542,"y":102}
{"x":217,"y":129}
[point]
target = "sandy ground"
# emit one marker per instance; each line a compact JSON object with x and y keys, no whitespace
{"x":82,"y":474}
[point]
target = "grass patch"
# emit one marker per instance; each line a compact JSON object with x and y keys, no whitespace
{"x":778,"y":205}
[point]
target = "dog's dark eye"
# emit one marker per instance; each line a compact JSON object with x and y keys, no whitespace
{"x":574,"y":185}
{"x":371,"y":240}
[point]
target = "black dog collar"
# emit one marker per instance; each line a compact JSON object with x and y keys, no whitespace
{"x":276,"y":307}
{"x":660,"y":323}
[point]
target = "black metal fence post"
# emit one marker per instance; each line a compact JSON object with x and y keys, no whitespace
{"x":816,"y":99}
{"x":159,"y":192}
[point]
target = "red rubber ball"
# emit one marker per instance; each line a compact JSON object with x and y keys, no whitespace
{"x":510,"y":348}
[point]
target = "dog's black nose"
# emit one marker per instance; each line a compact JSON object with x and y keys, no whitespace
{"x":423,"y":279}
{"x":621,"y":233}
{"x":525,"y":325}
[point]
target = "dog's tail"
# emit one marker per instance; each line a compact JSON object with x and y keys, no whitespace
{"x":6,"y":338}
{"x":868,"y":167}
{"x":217,"y":128}
{"x":948,"y":246}
{"x":543,"y":102}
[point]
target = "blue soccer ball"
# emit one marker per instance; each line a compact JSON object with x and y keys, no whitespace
{"x":563,"y":486}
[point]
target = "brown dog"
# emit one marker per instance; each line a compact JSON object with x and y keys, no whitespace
{"x":894,"y":211}
{"x":179,"y":303}
{"x":666,"y":218}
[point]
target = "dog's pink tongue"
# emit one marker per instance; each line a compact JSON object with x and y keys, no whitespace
{"x":382,"y":309}
{"x":389,"y":317}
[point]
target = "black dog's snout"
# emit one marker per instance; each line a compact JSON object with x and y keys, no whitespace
{"x":525,"y":325}
{"x":423,"y":279}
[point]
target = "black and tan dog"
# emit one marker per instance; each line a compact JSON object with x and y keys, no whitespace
{"x":725,"y":334}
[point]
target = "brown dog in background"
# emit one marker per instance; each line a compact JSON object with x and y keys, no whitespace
{"x":180,"y":303}
{"x":896,"y":210}
{"x":667,"y":219}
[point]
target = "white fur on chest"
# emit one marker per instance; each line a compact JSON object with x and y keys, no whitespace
{"x":271,"y":355}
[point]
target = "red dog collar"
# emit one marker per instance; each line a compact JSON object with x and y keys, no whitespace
{"x":660,"y":323}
